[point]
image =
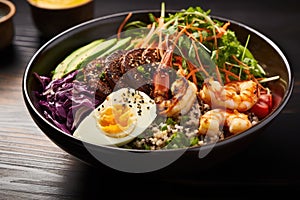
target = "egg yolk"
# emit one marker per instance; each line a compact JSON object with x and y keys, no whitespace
{"x":116,"y":119}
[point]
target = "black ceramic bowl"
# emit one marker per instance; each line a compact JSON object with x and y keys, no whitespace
{"x":54,"y":51}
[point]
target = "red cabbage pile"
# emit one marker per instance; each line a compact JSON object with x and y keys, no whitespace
{"x":65,"y":102}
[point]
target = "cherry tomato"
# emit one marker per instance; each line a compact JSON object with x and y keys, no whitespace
{"x":263,"y":106}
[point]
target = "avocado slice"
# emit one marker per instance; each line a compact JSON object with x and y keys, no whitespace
{"x":121,"y":44}
{"x":85,"y":55}
{"x":62,"y":66}
{"x":89,"y":55}
{"x":102,"y":52}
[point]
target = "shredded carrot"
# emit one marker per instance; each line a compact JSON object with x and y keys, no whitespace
{"x":229,"y":73}
{"x":194,"y":79}
{"x":183,"y":30}
{"x":214,"y":37}
{"x":225,"y":75}
{"x":178,"y":63}
{"x":200,"y":63}
{"x":192,"y":72}
{"x":239,"y":62}
{"x":225,"y":26}
{"x":221,"y":32}
{"x":123,"y":24}
{"x":156,"y":19}
{"x":198,"y":28}
{"x":180,"y":69}
{"x":200,"y":37}
{"x":218,"y":74}
{"x":257,"y":82}
{"x":246,"y":69}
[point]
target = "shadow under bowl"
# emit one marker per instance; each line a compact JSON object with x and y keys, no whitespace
{"x":44,"y":61}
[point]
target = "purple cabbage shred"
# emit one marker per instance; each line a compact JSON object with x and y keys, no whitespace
{"x":66,"y":101}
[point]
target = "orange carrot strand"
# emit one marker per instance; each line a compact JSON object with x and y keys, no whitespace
{"x":123,"y":24}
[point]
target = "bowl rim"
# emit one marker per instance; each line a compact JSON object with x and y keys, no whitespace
{"x":11,"y":13}
{"x":230,"y":139}
{"x":59,"y":8}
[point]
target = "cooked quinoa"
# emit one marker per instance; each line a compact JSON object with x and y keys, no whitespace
{"x":179,"y":131}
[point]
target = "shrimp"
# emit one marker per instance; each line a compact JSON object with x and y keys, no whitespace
{"x":212,"y":120}
{"x":184,"y":96}
{"x":183,"y":92}
{"x":239,"y":95}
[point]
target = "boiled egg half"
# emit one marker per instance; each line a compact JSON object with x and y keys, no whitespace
{"x":123,"y":116}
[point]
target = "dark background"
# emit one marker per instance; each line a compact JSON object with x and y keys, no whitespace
{"x":34,"y":168}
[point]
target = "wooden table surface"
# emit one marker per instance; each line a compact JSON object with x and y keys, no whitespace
{"x":32,"y":167}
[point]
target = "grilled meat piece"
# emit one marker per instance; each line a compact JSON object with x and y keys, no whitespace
{"x":113,"y":69}
{"x":138,"y":57}
{"x":137,"y":64}
{"x":92,"y":73}
{"x":132,"y":68}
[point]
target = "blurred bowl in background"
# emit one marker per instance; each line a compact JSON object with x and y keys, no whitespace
{"x":52,"y":17}
{"x":7,"y":11}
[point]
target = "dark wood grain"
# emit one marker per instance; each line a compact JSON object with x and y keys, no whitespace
{"x":32,"y":167}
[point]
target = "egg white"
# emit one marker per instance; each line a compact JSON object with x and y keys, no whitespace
{"x":142,"y":105}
